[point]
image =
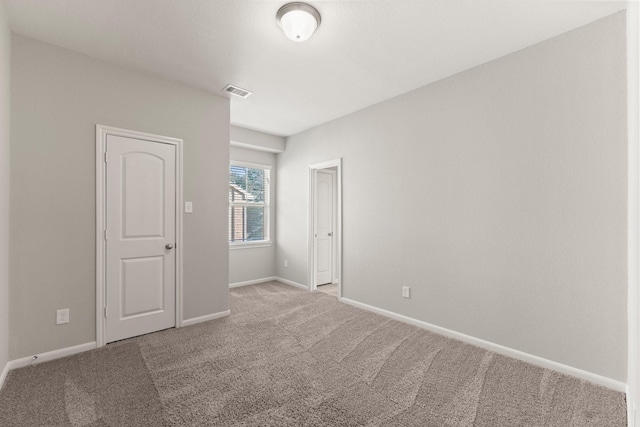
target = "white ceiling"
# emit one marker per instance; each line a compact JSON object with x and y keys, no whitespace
{"x":364,"y":52}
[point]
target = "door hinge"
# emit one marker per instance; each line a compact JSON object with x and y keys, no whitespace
{"x":105,"y":234}
{"x":105,"y":312}
{"x":105,"y":157}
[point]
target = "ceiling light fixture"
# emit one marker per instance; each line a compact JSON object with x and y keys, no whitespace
{"x":298,"y":20}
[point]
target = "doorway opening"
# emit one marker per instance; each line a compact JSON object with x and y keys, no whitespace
{"x":325,"y":227}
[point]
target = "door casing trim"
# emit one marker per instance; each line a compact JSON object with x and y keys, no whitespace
{"x":101,"y":139}
{"x":337,"y":163}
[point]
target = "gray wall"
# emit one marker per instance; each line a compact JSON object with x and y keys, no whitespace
{"x":5,"y":61}
{"x":57,"y":99}
{"x":498,"y":195}
{"x":247,"y":263}
{"x":252,"y":139}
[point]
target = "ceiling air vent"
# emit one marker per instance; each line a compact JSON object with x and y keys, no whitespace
{"x":237,"y":91}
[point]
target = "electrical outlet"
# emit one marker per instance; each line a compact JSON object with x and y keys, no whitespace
{"x":286,"y":263}
{"x":62,"y":316}
{"x":188,"y":207}
{"x":406,"y":292}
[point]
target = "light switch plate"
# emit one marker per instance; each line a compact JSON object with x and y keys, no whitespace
{"x":406,"y":292}
{"x":188,"y":207}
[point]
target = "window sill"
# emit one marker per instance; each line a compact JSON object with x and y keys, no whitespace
{"x":250,"y":245}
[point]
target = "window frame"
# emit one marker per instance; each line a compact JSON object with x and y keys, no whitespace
{"x":267,"y":208}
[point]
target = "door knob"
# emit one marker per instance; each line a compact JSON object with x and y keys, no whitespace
{"x":169,"y":246}
{"x":330,"y":234}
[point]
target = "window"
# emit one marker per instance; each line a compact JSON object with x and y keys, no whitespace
{"x":248,"y":203}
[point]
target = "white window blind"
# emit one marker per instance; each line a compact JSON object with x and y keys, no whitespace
{"x":248,"y":203}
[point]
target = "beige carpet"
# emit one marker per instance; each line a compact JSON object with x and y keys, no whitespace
{"x":287,"y":357}
{"x":331,"y":289}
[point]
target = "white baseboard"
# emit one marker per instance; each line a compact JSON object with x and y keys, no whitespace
{"x":497,"y":348}
{"x":292,"y":283}
{"x":205,"y":318}
{"x":3,"y":375}
{"x":45,"y":357}
{"x":252,"y":282}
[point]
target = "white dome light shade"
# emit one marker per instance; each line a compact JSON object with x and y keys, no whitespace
{"x":298,"y":20}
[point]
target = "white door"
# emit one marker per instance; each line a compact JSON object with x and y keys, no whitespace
{"x":323,"y":229}
{"x":140,"y":237}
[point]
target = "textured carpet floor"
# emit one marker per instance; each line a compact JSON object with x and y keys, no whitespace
{"x":287,"y":357}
